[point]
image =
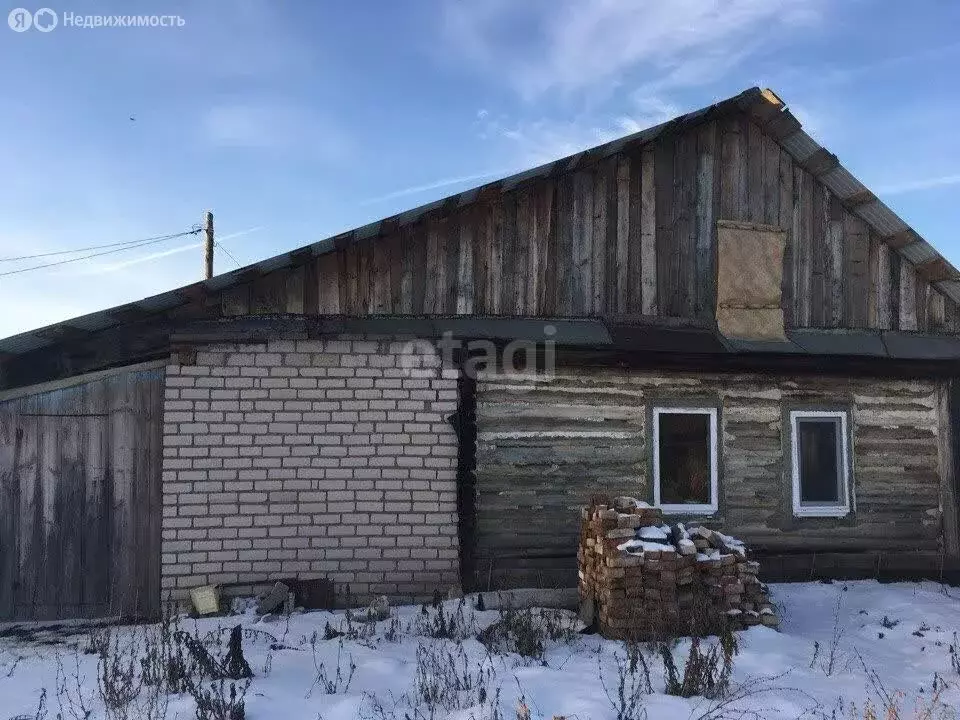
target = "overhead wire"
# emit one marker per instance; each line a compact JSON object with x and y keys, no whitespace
{"x":228,"y":253}
{"x":116,"y":247}
{"x":132,"y":243}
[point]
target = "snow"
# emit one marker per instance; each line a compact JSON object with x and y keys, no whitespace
{"x":686,"y":546}
{"x":733,"y":543}
{"x":901,"y":632}
{"x":625,"y":501}
{"x":654,"y":533}
{"x":642,"y":546}
{"x":660,"y":538}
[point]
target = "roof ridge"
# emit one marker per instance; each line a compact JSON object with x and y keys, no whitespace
{"x":776,"y":120}
{"x":763,"y":106}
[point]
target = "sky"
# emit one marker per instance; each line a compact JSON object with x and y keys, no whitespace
{"x":293,"y":121}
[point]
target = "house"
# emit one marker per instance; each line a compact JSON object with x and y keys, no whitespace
{"x":712,"y":315}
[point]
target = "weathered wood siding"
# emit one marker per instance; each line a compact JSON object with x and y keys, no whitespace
{"x":629,"y":235}
{"x":545,"y":445}
{"x":80,"y":499}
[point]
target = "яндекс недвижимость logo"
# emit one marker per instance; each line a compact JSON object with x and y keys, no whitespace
{"x":45,"y":19}
{"x":21,"y":19}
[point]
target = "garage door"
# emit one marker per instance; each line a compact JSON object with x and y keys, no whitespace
{"x":80,"y":497}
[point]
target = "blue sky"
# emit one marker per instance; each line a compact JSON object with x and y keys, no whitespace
{"x":296,"y":120}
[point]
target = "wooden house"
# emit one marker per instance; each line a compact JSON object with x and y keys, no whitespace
{"x":723,"y":322}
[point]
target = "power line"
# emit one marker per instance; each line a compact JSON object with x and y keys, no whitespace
{"x":94,"y":247}
{"x":129,"y":246}
{"x":228,"y":253}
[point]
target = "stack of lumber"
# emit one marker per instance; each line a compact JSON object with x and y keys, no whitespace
{"x":647,"y":579}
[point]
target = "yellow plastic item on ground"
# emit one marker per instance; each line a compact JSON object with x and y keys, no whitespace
{"x":205,"y":599}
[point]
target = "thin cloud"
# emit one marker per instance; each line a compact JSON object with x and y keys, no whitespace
{"x":239,"y":233}
{"x":113,"y":267}
{"x":541,"y":141}
{"x":580,"y":45}
{"x":918,"y":185}
{"x":418,"y":189}
{"x":840,"y":76}
{"x":609,"y":68}
{"x":275,"y":125}
{"x":243,"y":125}
{"x":535,"y":142}
{"x":647,"y":111}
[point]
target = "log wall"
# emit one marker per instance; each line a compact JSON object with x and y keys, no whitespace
{"x":626,"y":236}
{"x":545,"y":445}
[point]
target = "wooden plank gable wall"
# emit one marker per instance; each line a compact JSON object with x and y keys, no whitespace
{"x":632,"y":235}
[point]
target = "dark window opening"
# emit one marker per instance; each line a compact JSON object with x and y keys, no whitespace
{"x":685,"y":463}
{"x":821,"y":472}
{"x":821,"y":462}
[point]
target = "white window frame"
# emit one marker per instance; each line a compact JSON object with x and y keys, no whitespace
{"x":843,"y":508}
{"x":684,"y":509}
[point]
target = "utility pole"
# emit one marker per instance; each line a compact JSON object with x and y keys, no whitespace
{"x":208,"y":246}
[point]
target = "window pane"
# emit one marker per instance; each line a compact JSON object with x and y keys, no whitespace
{"x":684,"y":459}
{"x":819,"y":461}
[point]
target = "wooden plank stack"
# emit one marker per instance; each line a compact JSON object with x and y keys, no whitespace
{"x":649,"y":580}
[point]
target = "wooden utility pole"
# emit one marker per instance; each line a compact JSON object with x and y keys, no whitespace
{"x":208,"y":246}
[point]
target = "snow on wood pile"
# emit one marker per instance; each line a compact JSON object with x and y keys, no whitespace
{"x":649,"y":579}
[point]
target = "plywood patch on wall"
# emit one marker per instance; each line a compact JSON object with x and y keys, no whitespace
{"x":749,"y":280}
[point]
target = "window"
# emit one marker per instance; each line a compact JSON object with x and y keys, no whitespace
{"x":820,"y":463}
{"x":685,"y":460}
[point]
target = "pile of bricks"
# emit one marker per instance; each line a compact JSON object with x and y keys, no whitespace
{"x":647,"y":579}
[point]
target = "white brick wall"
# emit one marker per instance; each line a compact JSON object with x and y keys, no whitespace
{"x":319,"y":458}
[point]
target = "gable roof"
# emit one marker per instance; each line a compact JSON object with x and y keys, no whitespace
{"x":763,"y":106}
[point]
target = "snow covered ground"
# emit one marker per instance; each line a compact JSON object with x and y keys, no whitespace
{"x":839,"y":644}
